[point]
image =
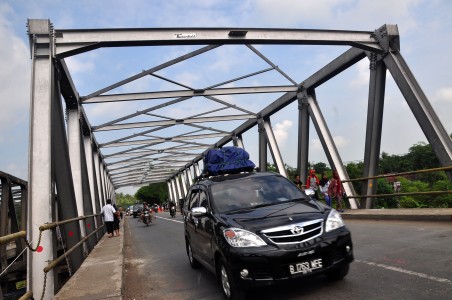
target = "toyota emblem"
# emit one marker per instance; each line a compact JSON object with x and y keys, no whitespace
{"x":297,"y":230}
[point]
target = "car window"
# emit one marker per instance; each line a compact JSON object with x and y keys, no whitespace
{"x":203,"y":200}
{"x":253,"y":191}
{"x":193,"y":199}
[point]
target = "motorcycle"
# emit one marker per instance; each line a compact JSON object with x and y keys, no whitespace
{"x":147,"y":218}
{"x":173,"y":211}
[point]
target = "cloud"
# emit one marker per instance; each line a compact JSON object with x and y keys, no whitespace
{"x":14,"y":74}
{"x":280,"y":130}
{"x":362,"y":76}
{"x":340,"y":141}
{"x":443,"y":95}
{"x":333,"y":14}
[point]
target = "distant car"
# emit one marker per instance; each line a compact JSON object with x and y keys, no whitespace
{"x":137,"y":209}
{"x":258,"y":229}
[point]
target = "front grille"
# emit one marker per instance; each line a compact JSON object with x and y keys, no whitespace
{"x":295,"y":233}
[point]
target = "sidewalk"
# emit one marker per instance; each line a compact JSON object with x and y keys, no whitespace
{"x":101,"y":274}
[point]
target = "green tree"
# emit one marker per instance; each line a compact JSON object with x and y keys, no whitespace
{"x":421,"y":156}
{"x":355,"y":170}
{"x":125,"y":200}
{"x":385,"y":187}
{"x":413,"y":186}
{"x":153,"y":193}
{"x":320,"y":167}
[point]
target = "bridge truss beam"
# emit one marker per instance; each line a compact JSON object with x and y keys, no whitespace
{"x":72,"y":175}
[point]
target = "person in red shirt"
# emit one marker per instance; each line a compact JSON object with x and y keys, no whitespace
{"x":312,"y":182}
{"x":335,"y":191}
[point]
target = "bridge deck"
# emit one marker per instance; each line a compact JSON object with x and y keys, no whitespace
{"x":101,"y":275}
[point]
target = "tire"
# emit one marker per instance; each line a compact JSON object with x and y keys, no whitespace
{"x":146,"y":220}
{"x":228,"y":287}
{"x":338,"y":273}
{"x":193,"y":262}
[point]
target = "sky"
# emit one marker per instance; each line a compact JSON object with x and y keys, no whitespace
{"x":425,"y":28}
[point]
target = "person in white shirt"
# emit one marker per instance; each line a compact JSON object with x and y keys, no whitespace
{"x":107,"y":211}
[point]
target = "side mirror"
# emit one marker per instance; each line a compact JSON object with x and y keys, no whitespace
{"x":309,"y":192}
{"x":198,"y":212}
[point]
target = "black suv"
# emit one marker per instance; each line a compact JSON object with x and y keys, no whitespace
{"x":255,"y":229}
{"x":137,"y":208}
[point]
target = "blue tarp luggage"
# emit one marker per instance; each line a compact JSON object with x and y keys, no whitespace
{"x":227,"y":160}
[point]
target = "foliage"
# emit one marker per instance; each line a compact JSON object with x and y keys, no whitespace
{"x":320,"y":167}
{"x":413,"y":186}
{"x":153,"y":193}
{"x":421,"y":156}
{"x":355,"y":170}
{"x":125,"y":200}
{"x":385,"y":187}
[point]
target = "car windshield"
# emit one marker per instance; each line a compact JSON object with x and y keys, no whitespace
{"x":253,"y":191}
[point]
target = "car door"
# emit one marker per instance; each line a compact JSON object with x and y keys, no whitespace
{"x":191,"y":222}
{"x":204,"y":232}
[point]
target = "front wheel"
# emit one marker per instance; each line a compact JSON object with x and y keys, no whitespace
{"x":229,"y":288}
{"x":193,"y":262}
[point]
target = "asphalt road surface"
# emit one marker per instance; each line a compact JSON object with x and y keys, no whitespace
{"x":393,"y":260}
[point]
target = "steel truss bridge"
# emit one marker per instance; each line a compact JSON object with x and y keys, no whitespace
{"x":71,"y":174}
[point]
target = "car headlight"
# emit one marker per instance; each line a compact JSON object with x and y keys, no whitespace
{"x":334,"y":221}
{"x":242,"y":238}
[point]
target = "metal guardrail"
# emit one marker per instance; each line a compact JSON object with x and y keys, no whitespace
{"x":48,"y":226}
{"x":397,"y":175}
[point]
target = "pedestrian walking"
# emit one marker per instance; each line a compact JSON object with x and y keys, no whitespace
{"x":335,"y":191}
{"x":324,"y":184}
{"x":116,"y":220}
{"x":312,"y":182}
{"x":108,"y":212}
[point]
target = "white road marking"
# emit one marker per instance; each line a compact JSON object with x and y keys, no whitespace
{"x":168,"y":219}
{"x":396,"y":269}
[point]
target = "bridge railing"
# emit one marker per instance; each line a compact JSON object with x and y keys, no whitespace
{"x":398,"y":194}
{"x":49,"y":226}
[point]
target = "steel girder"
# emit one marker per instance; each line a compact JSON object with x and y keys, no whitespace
{"x":91,"y":178}
{"x":72,"y":42}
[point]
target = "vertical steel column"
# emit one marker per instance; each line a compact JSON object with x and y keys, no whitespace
{"x":190,"y":177}
{"x":170,"y":192}
{"x":274,"y":149}
{"x":74,"y":141}
{"x":41,"y":204}
{"x":262,"y":146}
{"x":329,"y":146}
{"x":303,"y":136}
{"x":198,"y":170}
{"x":237,"y":141}
{"x":374,"y":127}
{"x":64,"y":183}
{"x":91,"y":170}
{"x":103,"y":182}
{"x":183,"y":175}
{"x":98,"y":179}
{"x":179,"y":192}
{"x":88,"y":207}
{"x":173,"y":188}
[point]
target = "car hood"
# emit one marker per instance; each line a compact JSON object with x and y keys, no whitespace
{"x":261,"y":218}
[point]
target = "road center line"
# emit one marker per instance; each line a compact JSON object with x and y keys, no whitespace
{"x":442,"y":280}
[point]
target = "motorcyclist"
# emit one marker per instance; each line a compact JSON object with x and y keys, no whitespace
{"x":172,"y":209}
{"x":145,"y":208}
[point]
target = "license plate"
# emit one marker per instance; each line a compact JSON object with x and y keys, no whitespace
{"x":306,"y":267}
